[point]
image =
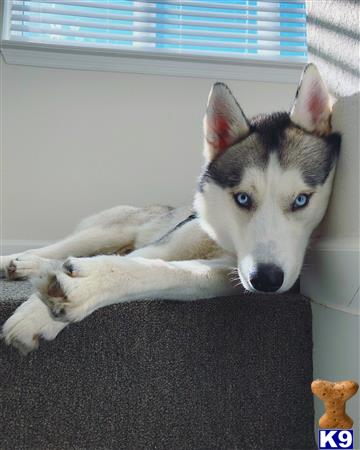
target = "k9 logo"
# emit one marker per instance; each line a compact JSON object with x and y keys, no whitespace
{"x":336,"y":439}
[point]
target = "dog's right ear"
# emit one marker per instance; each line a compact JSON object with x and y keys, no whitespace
{"x":224,"y":121}
{"x":312,"y":107}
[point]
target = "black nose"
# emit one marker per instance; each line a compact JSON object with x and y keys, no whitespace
{"x":267,"y":278}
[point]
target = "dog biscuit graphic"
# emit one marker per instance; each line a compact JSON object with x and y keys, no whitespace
{"x":334,"y":396}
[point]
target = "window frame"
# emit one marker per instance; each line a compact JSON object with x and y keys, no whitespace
{"x":138,"y":62}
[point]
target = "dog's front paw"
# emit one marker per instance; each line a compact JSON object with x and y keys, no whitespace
{"x":5,"y":261}
{"x":30,"y":322}
{"x":70,"y":293}
{"x":24,"y":265}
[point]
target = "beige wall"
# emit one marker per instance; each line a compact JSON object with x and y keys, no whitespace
{"x":75,"y":142}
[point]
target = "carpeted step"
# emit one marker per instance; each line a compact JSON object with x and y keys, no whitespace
{"x":225,"y":373}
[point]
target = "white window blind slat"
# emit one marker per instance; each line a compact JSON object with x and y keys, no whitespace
{"x":147,"y":29}
{"x":165,"y":21}
{"x":234,"y":6}
{"x":241,"y":29}
{"x":154,"y":40}
{"x":172,"y":11}
{"x":182,"y":3}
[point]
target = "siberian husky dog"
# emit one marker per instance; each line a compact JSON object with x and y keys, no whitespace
{"x":264,"y":188}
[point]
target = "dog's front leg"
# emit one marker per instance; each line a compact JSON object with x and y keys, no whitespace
{"x":86,"y":284}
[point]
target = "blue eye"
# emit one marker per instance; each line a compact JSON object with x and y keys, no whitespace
{"x":243,"y":199}
{"x":301,"y":201}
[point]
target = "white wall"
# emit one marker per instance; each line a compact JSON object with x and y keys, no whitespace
{"x":75,"y":142}
{"x":332,"y":276}
{"x":333,"y":42}
{"x":333,"y":271}
{"x":336,"y":337}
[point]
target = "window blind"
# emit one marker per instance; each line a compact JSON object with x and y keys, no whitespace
{"x":264,"y":30}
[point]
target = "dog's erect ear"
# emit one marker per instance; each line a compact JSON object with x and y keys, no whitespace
{"x":224,"y":121}
{"x":312,"y":107}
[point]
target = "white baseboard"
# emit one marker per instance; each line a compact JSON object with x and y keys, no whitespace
{"x":331,"y":273}
{"x":10,"y":246}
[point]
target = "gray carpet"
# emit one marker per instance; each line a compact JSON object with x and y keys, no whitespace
{"x":14,"y":292}
{"x":227,"y":373}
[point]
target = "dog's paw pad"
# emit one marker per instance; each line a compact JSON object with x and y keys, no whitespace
{"x":58,"y":313}
{"x":11,"y":270}
{"x":11,"y":267}
{"x":55,"y":290}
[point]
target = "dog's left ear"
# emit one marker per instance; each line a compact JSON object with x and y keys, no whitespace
{"x":224,"y":121}
{"x":312,"y":107}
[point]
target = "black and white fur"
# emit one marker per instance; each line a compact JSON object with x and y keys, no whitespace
{"x":246,"y":223}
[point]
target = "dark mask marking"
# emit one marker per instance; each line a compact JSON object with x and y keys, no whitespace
{"x":314,"y":156}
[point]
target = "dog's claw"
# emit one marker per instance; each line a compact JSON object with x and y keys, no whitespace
{"x":69,"y":268}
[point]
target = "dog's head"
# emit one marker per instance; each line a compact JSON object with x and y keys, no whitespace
{"x":267,"y":181}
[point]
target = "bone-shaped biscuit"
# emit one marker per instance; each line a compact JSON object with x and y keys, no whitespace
{"x":334,"y":396}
